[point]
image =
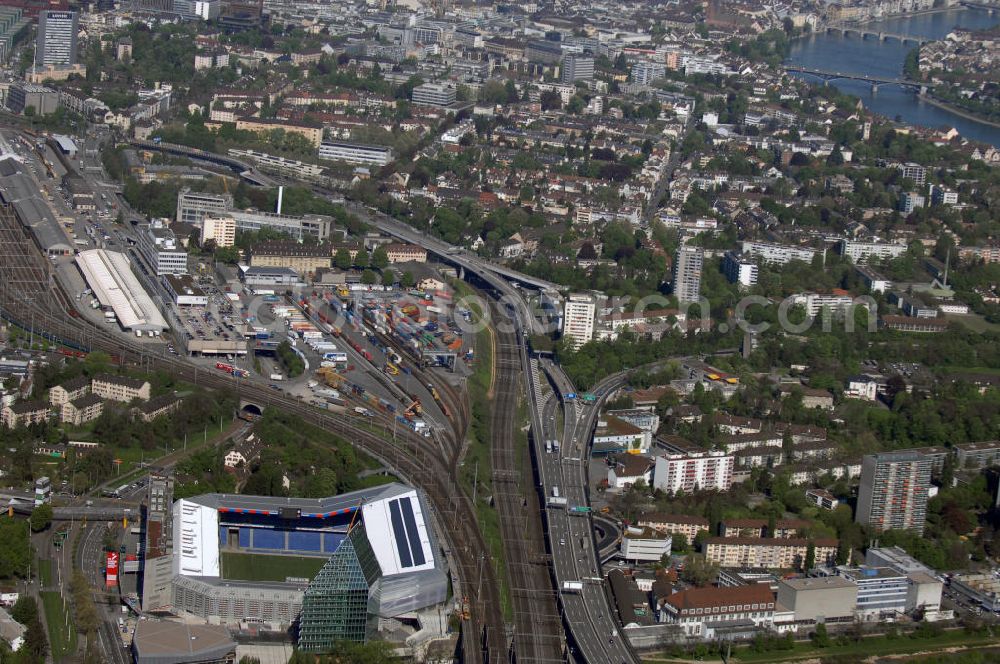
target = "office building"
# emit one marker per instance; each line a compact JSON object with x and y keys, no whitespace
{"x":56,"y":42}
{"x":578,"y":319}
{"x":882,"y":591}
{"x":435,"y":94}
{"x":13,"y":23}
{"x":162,"y":251}
{"x":23,"y":95}
{"x":687,"y":273}
{"x":819,"y":598}
{"x":702,"y":611}
{"x":577,"y":68}
{"x":644,"y":545}
{"x":305,"y":259}
{"x":194,"y":206}
{"x":355,"y":153}
{"x":220,"y":229}
{"x":893,"y":492}
{"x":740,"y":270}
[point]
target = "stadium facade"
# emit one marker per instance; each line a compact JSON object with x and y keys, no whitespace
{"x":380,"y":561}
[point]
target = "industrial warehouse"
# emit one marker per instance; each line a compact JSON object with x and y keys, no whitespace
{"x":343,"y":567}
{"x":118,"y":291}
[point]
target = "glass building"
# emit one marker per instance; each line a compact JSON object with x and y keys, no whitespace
{"x":335,"y":606}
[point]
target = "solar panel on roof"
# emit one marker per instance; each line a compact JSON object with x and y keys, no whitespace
{"x":411,"y":531}
{"x":402,"y":545}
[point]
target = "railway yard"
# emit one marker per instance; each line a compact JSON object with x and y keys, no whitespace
{"x":383,"y":368}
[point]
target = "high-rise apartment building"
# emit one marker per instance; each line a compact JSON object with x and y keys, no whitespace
{"x":577,"y":68}
{"x":578,"y":318}
{"x":687,"y":273}
{"x":893,"y":492}
{"x":56,"y":44}
{"x":219,"y":228}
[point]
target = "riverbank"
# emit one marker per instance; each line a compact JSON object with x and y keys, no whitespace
{"x":955,"y":110}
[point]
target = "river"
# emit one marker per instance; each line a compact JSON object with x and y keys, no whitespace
{"x":878,"y":58}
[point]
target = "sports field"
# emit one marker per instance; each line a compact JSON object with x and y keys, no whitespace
{"x":254,"y":567}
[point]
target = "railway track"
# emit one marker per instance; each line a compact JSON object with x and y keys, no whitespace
{"x":538,"y":632}
{"x":28,"y":292}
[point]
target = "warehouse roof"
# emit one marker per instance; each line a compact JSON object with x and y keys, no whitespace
{"x":114,"y":285}
{"x":17,"y":189}
{"x":164,"y":642}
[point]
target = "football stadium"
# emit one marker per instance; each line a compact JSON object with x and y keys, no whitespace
{"x":335,"y":566}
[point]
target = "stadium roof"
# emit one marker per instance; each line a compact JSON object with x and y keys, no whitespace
{"x":162,"y":642}
{"x":311,"y":507}
{"x":114,"y":285}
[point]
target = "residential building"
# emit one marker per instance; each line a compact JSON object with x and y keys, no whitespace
{"x":194,"y":206}
{"x":687,"y":273}
{"x":645,"y":72}
{"x":942,"y":195}
{"x":120,"y":388}
{"x":837,"y":301}
{"x":977,"y":455}
{"x":818,"y":599}
{"x":875,"y":282}
{"x":914,"y":172}
{"x":700,"y":611}
{"x":435,"y":94}
{"x":822,"y":498}
{"x":399,"y":252}
{"x":783,"y":528}
{"x":882,"y":591}
{"x":56,"y":41}
{"x":82,"y":410}
{"x":24,"y":413}
{"x":675,"y":524}
{"x":157,"y":407}
{"x":356,"y":153}
{"x":693,"y":471}
{"x":768,"y":552}
{"x":71,"y":389}
{"x":264,"y":127}
{"x":220,"y":229}
{"x":910,"y":201}
{"x":579,"y":311}
{"x":740,"y":270}
{"x":778,"y":254}
{"x":644,"y":545}
{"x":862,"y":251}
{"x":862,"y":387}
{"x":893,"y":492}
{"x":577,"y":68}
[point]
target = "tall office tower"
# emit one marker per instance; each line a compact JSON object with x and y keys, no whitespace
{"x":577,"y":68}
{"x":578,"y":318}
{"x":893,"y":493}
{"x":56,"y":43}
{"x":687,"y":273}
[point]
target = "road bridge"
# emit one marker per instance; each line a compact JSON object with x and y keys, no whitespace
{"x":828,"y":75}
{"x":845,"y":29}
{"x":244,"y":169}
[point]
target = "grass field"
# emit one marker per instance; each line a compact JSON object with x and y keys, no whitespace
{"x":62,"y":638}
{"x":45,"y":572}
{"x":253,"y":567}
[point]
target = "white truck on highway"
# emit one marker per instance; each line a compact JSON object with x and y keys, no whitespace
{"x":572,"y":587}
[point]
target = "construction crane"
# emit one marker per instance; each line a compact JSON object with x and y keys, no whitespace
{"x":330,"y":377}
{"x":413,"y":410}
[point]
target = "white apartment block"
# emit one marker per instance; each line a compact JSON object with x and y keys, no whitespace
{"x":355,"y":153}
{"x":691,"y":472}
{"x":815,"y":303}
{"x":578,"y":319}
{"x":120,"y":388}
{"x":859,"y":251}
{"x":740,"y":270}
{"x":778,"y":254}
{"x":768,"y":552}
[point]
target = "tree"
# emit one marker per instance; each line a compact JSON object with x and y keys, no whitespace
{"x":820,"y":638}
{"x":699,"y":571}
{"x":41,"y":518}
{"x":380,"y":258}
{"x":361,"y":259}
{"x":407,"y":280}
{"x":342,"y":259}
{"x":551,"y":101}
{"x":810,"y":557}
{"x":369,"y":278}
{"x":679,"y":543}
{"x":388,"y":278}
